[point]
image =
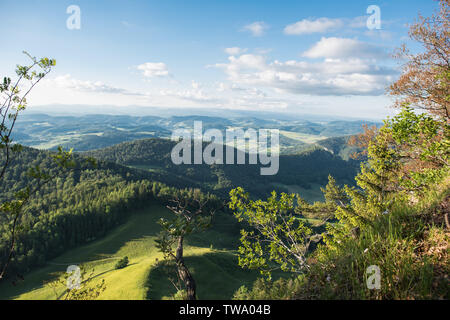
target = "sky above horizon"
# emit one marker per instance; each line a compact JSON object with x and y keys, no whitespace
{"x":315,"y":57}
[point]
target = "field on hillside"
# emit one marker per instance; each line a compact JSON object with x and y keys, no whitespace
{"x":89,"y":132}
{"x":209,"y":256}
{"x":302,"y":137}
{"x":311,"y":195}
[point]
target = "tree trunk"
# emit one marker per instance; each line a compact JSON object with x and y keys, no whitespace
{"x":184,"y":273}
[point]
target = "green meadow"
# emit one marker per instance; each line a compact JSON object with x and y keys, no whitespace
{"x":210,"y":256}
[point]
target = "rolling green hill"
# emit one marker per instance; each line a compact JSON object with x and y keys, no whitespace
{"x":338,"y":146}
{"x":305,"y":171}
{"x":93,"y":131}
{"x":210,"y":256}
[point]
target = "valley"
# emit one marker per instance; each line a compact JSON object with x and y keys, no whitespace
{"x":88,"y":132}
{"x":211,"y":256}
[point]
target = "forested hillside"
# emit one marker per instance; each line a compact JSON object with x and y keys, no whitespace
{"x":339,"y":146}
{"x":74,"y":207}
{"x":303,"y":170}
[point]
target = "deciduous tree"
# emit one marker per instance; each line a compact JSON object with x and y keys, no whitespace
{"x":191,"y":215}
{"x":425,"y":80}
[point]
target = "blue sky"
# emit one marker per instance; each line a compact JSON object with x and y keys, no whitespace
{"x":293,"y":56}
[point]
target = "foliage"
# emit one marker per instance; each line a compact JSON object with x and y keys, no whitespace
{"x":278,"y":239}
{"x":341,"y":146}
{"x":180,"y":295}
{"x":191,"y":215}
{"x":396,"y":218}
{"x":361,"y":142}
{"x":122,"y":263}
{"x":395,"y":242}
{"x":143,"y":279}
{"x":86,"y":291}
{"x":425,"y":80}
{"x":14,"y":95}
{"x":265,"y":289}
{"x":386,"y":221}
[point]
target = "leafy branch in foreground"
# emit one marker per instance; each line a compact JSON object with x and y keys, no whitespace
{"x":14,"y":100}
{"x":279,"y":239}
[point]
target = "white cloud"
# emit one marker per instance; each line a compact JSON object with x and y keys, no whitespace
{"x":382,"y":35}
{"x":244,"y":92}
{"x":256,"y":28}
{"x":307,"y":26}
{"x":153,"y":69}
{"x":195,"y":84}
{"x":196,"y":94}
{"x":234,"y":51}
{"x":358,"y":22}
{"x":332,"y":25}
{"x":340,"y":73}
{"x":248,"y":61}
{"x":343,"y":48}
{"x":68,"y":82}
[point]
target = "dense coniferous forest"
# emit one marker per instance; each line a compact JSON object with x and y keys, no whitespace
{"x":75,"y":207}
{"x":308,"y":167}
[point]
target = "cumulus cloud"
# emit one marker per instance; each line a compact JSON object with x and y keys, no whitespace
{"x":341,"y":72}
{"x":257,"y":28}
{"x":307,"y":26}
{"x":234,"y":51}
{"x":196,"y":94}
{"x":153,"y":69}
{"x":343,"y":48}
{"x":68,"y":82}
{"x":329,"y":25}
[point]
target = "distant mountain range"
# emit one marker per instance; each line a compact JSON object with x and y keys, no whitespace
{"x":139,"y":111}
{"x":94,"y":131}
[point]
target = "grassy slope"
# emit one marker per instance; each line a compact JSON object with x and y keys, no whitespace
{"x":311,"y":195}
{"x":303,"y":137}
{"x":208,"y":255}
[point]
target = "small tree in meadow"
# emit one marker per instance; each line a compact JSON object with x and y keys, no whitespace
{"x":122,"y":263}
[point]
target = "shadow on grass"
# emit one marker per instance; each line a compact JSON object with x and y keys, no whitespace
{"x":142,"y":224}
{"x":224,"y":233}
{"x":217,"y":276}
